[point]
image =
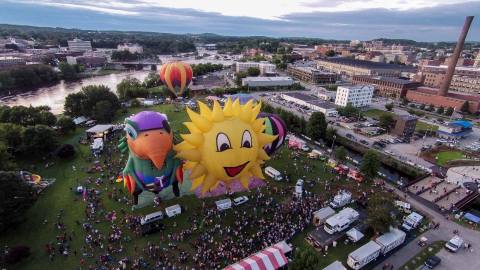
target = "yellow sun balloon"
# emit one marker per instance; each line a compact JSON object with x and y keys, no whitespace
{"x":224,"y":144}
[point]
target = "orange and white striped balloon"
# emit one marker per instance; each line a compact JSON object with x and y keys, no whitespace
{"x":176,"y":76}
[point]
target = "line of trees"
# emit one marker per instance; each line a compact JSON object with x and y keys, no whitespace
{"x":202,"y":69}
{"x":26,"y":77}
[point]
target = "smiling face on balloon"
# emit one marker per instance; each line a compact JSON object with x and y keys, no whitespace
{"x":224,"y":144}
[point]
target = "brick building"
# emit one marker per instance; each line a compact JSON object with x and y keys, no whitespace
{"x":427,"y":95}
{"x":312,"y":75}
{"x":387,"y":86}
{"x":404,"y":126}
{"x":351,"y":67}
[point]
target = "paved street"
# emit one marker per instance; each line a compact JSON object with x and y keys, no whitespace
{"x":463,"y":259}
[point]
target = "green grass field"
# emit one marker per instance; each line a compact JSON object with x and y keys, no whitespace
{"x":444,"y":157}
{"x":35,"y":234}
{"x":424,"y":126}
{"x":421,"y":257}
{"x":375,"y":113}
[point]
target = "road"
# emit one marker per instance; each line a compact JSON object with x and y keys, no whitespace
{"x":463,"y":259}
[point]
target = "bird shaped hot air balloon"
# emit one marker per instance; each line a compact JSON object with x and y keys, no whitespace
{"x":274,"y":125}
{"x":151,"y":164}
{"x":176,"y":76}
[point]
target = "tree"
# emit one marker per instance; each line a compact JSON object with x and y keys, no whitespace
{"x":239,"y":76}
{"x":389,"y":106}
{"x":440,"y":110}
{"x":330,"y":134}
{"x":74,"y":104}
{"x":253,"y":71}
{"x":370,"y":165}
{"x":386,"y":121}
{"x":465,"y":107}
{"x":69,"y":72}
{"x":39,"y":140}
{"x":330,"y":53}
{"x":11,"y":137}
{"x":379,"y":212}
{"x":65,"y":124}
{"x":104,"y":111}
{"x":152,"y":80}
{"x":65,"y":151}
{"x":449,"y":111}
{"x":6,"y":162}
{"x":349,"y":111}
{"x":130,"y":88}
{"x":84,"y":103}
{"x":316,"y":126}
{"x":404,"y":101}
{"x":341,"y":153}
{"x":16,"y":196}
{"x":305,"y":259}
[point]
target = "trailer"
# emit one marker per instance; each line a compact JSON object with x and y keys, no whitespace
{"x":343,"y":198}
{"x":336,"y":265}
{"x":341,"y":221}
{"x":223,"y":204}
{"x":321,"y":215}
{"x":412,"y":221}
{"x":364,"y":255}
{"x":273,"y":173}
{"x":173,"y":210}
{"x":391,"y":240}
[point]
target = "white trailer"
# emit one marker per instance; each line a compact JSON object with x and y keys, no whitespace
{"x":223,"y":204}
{"x":336,"y":265}
{"x":364,"y":255}
{"x":340,"y":221}
{"x":343,"y":198}
{"x":321,"y":215}
{"x":273,"y":173}
{"x":391,"y":240}
{"x":173,"y":210}
{"x":412,"y":221}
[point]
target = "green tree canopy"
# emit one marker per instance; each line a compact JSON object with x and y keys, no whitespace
{"x":317,"y":126}
{"x":465,"y":107}
{"x":85,"y":102}
{"x":130,"y":88}
{"x":65,"y":124}
{"x":449,"y":111}
{"x":380,"y":209}
{"x":330,"y":53}
{"x":440,"y":110}
{"x":349,"y":111}
{"x":253,"y":71}
{"x":389,"y":106}
{"x":386,"y":121}
{"x":341,"y":154}
{"x":16,"y":197}
{"x":39,"y":140}
{"x":152,"y":80}
{"x":370,"y":164}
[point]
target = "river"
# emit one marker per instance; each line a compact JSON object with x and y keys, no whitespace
{"x":54,"y":96}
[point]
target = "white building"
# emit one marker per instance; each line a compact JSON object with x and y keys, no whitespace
{"x":354,"y":42}
{"x":264,"y":67}
{"x":79,"y":45}
{"x":267,"y":81}
{"x":357,"y":95}
{"x":132,"y":48}
{"x":324,"y":94}
{"x":311,"y":102}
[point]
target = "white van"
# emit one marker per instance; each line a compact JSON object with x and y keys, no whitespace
{"x":273,"y":173}
{"x":454,"y":244}
{"x":299,"y":187}
{"x":151,"y":217}
{"x":223,"y":204}
{"x":173,"y":210}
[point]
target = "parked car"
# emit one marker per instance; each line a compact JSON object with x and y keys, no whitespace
{"x":364,"y":142}
{"x":432,"y":262}
{"x":240,"y":200}
{"x":348,"y":135}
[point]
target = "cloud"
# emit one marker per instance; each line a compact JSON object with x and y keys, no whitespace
{"x":436,"y":23}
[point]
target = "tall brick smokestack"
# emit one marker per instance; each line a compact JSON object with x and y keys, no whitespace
{"x":456,"y":54}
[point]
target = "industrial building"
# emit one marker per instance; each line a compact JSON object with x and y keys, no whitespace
{"x":267,"y":81}
{"x":311,"y":102}
{"x":350,"y":67}
{"x":78,"y":45}
{"x":404,"y":126}
{"x":389,"y":87}
{"x":357,"y":95}
{"x":311,"y":75}
{"x":465,"y":79}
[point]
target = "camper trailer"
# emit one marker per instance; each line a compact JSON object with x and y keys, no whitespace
{"x":391,"y":240}
{"x":299,"y":187}
{"x":343,"y":198}
{"x":223,"y":204}
{"x":340,"y":221}
{"x":412,"y":221}
{"x":151,"y":218}
{"x":273,"y":173}
{"x":173,"y":210}
{"x":364,"y":255}
{"x":320,"y":216}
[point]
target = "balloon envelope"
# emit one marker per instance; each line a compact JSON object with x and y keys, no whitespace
{"x":274,"y":125}
{"x":176,"y":76}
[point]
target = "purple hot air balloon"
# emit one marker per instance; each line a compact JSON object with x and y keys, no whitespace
{"x":274,"y":125}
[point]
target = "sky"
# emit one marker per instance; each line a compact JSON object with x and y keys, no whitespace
{"x":421,"y":20}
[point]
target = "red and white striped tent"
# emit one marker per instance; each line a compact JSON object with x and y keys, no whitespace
{"x":271,"y":258}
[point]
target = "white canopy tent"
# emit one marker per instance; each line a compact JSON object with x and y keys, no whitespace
{"x":354,"y":235}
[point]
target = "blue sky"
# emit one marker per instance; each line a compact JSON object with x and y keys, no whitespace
{"x":421,"y":20}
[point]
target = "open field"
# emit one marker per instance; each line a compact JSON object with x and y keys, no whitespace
{"x":445,"y":156}
{"x":375,"y":113}
{"x":425,"y":126}
{"x":59,"y":203}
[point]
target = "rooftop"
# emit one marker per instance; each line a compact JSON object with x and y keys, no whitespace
{"x":434,"y":91}
{"x":311,"y":69}
{"x":366,"y":64}
{"x":322,"y":104}
{"x":300,"y":96}
{"x":262,"y":79}
{"x":387,"y":79}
